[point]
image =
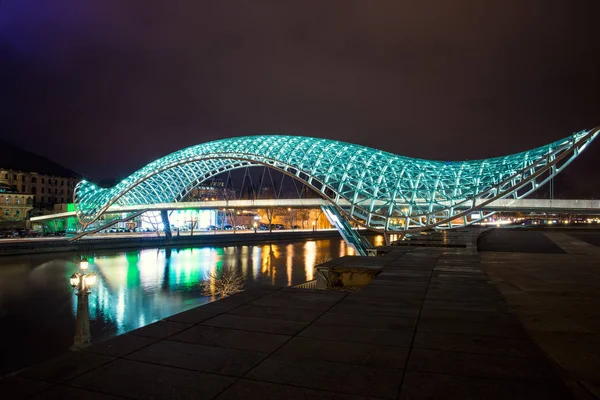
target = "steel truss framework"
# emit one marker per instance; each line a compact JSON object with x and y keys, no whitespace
{"x":375,"y":189}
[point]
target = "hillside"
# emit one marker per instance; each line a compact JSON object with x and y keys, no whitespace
{"x":13,"y":157}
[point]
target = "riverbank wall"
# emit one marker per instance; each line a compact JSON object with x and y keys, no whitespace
{"x":38,"y":246}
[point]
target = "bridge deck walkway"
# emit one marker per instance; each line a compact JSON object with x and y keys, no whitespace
{"x":431,"y":325}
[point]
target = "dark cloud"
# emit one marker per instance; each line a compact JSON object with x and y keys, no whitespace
{"x":106,"y":86}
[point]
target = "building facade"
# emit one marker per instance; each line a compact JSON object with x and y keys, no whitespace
{"x":212,"y":190}
{"x":45,"y":190}
{"x":14,"y":206}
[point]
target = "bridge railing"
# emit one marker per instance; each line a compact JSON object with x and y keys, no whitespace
{"x":307,"y":285}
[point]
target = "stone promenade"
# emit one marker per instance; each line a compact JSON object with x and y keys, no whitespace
{"x":431,"y":325}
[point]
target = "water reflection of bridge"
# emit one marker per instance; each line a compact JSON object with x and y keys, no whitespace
{"x":138,"y":287}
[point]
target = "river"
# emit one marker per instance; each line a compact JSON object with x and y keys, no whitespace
{"x":134,"y":288}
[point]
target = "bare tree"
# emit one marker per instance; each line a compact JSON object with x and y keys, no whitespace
{"x":270,"y":214}
{"x":233,"y":219}
{"x":303,"y":216}
{"x":193,"y":221}
{"x":316,"y":215}
{"x":289,"y":215}
{"x":222,"y":282}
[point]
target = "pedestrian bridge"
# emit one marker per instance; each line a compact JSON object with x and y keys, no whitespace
{"x":501,"y":205}
{"x":371,"y":188}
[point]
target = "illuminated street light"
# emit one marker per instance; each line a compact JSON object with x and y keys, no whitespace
{"x":82,"y":283}
{"x":314,"y":224}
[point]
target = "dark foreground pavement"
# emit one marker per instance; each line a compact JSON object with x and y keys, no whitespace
{"x":432,"y":325}
{"x":556,"y":296}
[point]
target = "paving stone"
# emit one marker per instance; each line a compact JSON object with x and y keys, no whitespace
{"x":120,"y":345}
{"x":244,"y":297}
{"x":142,"y":381}
{"x":557,"y":297}
{"x":479,"y":365}
{"x":407,"y":273}
{"x":161,"y":329}
{"x":357,"y":334}
{"x":396,"y":266}
{"x":197,"y":315}
{"x":199,"y":357}
{"x":71,"y":393}
{"x":368,"y":321}
{"x":374,"y":355}
{"x":575,"y":356}
{"x":590,"y":238}
{"x":473,"y":296}
{"x":566,"y":337}
{"x":299,"y":298}
{"x":231,"y":338}
{"x":335,"y":377}
{"x":454,"y":284}
{"x":368,"y":308}
{"x":547,"y":322}
{"x":472,"y":328}
{"x":366,"y":297}
{"x":220,"y":306}
{"x":15,"y":387}
{"x":520,"y":241}
{"x":249,"y":390}
{"x":66,"y":367}
{"x":421,"y":386}
{"x":276,"y":312}
{"x":477,"y":344}
{"x":470,"y":316}
{"x":401,"y":285}
{"x":466,"y":306}
{"x":267,"y":325}
{"x":385,"y":292}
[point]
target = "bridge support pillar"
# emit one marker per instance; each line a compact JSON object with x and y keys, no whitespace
{"x":352,"y":238}
{"x":164,"y":215}
{"x":386,"y":237}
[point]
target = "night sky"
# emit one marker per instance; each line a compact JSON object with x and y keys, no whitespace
{"x":105,"y":86}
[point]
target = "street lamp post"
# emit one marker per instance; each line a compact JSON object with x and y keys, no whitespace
{"x":82,"y":283}
{"x":256,"y":219}
{"x":313,"y":224}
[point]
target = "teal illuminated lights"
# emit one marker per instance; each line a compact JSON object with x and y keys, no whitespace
{"x":376,"y":189}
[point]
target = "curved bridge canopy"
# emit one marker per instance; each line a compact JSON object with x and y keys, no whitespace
{"x":379,"y":190}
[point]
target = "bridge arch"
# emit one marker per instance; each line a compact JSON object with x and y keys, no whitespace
{"x":376,"y":189}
